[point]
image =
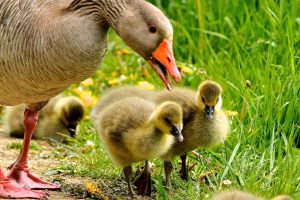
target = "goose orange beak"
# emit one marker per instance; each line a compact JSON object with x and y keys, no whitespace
{"x":163,"y":62}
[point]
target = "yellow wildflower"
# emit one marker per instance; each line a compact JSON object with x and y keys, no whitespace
{"x":87,"y":82}
{"x":133,"y":77}
{"x":87,"y":98}
{"x":122,"y":52}
{"x":230,"y":113}
{"x":92,"y":188}
{"x":114,"y":74}
{"x":145,"y":85}
{"x":185,"y":69}
{"x":114,"y":81}
{"x":145,"y":72}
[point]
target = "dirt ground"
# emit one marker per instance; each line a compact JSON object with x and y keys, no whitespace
{"x":40,"y":162}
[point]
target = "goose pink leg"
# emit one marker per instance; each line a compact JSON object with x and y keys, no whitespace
{"x":8,"y":190}
{"x":19,"y":173}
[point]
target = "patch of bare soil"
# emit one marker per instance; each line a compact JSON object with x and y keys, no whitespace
{"x":42,"y":162}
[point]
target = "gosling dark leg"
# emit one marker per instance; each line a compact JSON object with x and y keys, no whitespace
{"x":143,"y":182}
{"x":183,"y":171}
{"x":127,"y":172}
{"x":148,"y":175}
{"x":168,"y":169}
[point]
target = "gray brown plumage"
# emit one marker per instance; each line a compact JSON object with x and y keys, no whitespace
{"x":134,"y":130}
{"x":48,"y":45}
{"x":58,"y":119}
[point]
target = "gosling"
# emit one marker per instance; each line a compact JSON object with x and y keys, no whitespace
{"x":239,"y":195}
{"x":117,"y":94}
{"x":134,"y":130}
{"x":57,"y":120}
{"x":205,"y":124}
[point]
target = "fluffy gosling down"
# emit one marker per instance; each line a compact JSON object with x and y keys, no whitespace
{"x":134,"y":130}
{"x":239,"y":195}
{"x":205,"y":124}
{"x":57,"y":120}
{"x":117,"y":94}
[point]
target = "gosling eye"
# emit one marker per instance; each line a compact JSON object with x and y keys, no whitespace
{"x":203,"y":99}
{"x":168,"y":121}
{"x":152,"y":29}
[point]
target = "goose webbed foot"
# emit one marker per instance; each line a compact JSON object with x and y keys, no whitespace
{"x":143,"y":181}
{"x":23,"y":178}
{"x":11,"y":191}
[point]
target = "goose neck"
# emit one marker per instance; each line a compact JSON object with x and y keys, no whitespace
{"x":106,"y":11}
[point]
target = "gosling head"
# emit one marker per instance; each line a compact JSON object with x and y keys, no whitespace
{"x":147,"y":31}
{"x":70,"y":111}
{"x":209,"y":98}
{"x":168,"y":118}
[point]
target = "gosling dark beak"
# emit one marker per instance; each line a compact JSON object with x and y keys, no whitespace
{"x":176,"y":131}
{"x":209,"y":111}
{"x":72,"y":130}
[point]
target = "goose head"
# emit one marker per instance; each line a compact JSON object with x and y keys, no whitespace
{"x":168,"y":119}
{"x":147,"y":31}
{"x":209,"y":98}
{"x":70,"y":111}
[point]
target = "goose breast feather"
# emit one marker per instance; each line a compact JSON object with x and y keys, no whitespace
{"x":43,"y":50}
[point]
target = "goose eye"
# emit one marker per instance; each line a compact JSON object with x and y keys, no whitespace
{"x":168,"y":121}
{"x":203,"y":99}
{"x":152,"y":29}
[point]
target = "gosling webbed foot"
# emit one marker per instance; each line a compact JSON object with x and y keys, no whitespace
{"x":143,"y":181}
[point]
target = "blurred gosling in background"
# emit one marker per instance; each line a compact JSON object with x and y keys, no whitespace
{"x":57,"y":120}
{"x":239,"y":195}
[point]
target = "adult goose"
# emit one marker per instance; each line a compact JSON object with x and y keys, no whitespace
{"x":47,"y":45}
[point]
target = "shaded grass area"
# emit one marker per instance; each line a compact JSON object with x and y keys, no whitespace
{"x":231,"y":42}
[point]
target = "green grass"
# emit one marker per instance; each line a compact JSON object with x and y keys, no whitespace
{"x":231,"y":41}
{"x":18,"y":145}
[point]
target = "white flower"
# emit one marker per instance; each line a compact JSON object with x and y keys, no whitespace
{"x":227,"y":182}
